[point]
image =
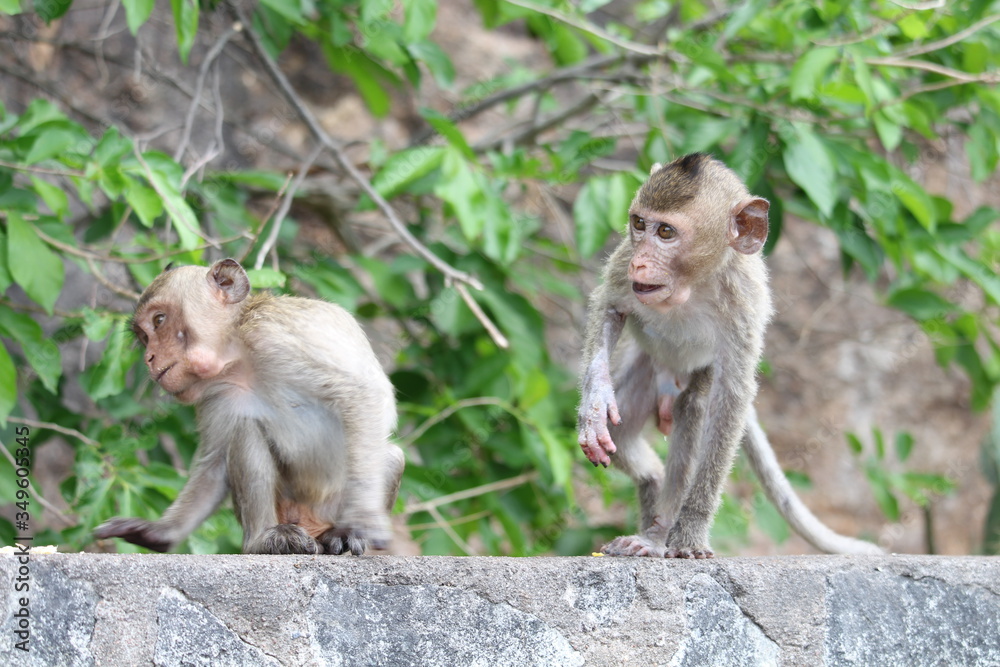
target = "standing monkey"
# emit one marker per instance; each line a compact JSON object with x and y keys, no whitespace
{"x":294,"y":415}
{"x":688,"y":289}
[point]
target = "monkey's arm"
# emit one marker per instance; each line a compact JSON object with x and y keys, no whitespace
{"x":798,"y":516}
{"x":202,"y":495}
{"x":597,"y":395}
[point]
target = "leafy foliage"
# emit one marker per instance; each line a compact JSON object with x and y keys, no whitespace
{"x":822,"y":107}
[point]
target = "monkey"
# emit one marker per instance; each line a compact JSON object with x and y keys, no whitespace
{"x":674,"y":335}
{"x":294,"y":415}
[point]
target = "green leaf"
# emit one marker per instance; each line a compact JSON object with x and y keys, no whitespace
{"x":34,"y":267}
{"x":890,"y":133}
{"x":6,"y":280}
{"x":854,"y":443}
{"x":769,"y":519}
{"x":879,"y":444}
{"x":54,"y":197}
{"x":186,"y":23}
{"x":914,"y":198}
{"x":368,"y":76}
{"x":975,"y":271}
{"x":920,"y":304}
{"x":810,"y":166}
{"x":107,"y":378}
{"x":436,"y":59}
{"x":10,"y":6}
{"x":406,"y":167}
{"x":41,"y":352}
{"x":50,"y":10}
{"x":461,"y":185}
{"x":110,"y":148}
{"x":591,"y":214}
{"x":883,"y":496}
{"x":38,"y":112}
{"x":266,"y":278}
{"x":291,"y":11}
{"x":165,"y":176}
{"x":8,"y":385}
{"x":448,"y":130}
{"x":904,"y":445}
{"x":420,"y":17}
{"x":983,"y":150}
{"x":136,"y":13}
{"x":808,"y":72}
{"x":144,"y":201}
{"x":51,"y":139}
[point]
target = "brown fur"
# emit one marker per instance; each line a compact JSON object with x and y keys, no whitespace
{"x":294,"y":413}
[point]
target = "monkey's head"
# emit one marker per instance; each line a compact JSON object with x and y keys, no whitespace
{"x":186,"y":321}
{"x":683,"y":223}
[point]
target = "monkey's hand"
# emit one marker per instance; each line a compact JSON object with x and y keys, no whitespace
{"x":137,"y":531}
{"x":597,"y":407}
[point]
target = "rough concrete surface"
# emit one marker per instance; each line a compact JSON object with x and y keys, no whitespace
{"x":88,"y":609}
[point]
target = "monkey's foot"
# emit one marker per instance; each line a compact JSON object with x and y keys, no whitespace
{"x":634,"y":545}
{"x":137,"y":531}
{"x":686,"y":552}
{"x":689,"y":539}
{"x":357,"y":537}
{"x":285,"y":538}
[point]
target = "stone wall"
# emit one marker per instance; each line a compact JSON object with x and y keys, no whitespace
{"x":86,"y":609}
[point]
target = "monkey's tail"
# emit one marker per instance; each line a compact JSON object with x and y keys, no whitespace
{"x":776,"y":486}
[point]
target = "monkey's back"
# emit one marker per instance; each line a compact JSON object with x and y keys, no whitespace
{"x":318,"y":345}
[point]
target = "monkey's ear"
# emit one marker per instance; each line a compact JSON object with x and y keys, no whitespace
{"x":748,"y":225}
{"x":655,"y":168}
{"x":230,"y":279}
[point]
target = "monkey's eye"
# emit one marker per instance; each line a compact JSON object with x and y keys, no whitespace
{"x":666,"y":232}
{"x":158,"y":320}
{"x":638,"y":224}
{"x":143,"y":338}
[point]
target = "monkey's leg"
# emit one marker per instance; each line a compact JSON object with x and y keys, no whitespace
{"x":719,"y":438}
{"x":337,"y":540}
{"x":205,"y":490}
{"x":685,"y":440}
{"x":636,"y":388}
{"x":255,"y":481}
{"x":373,"y":469}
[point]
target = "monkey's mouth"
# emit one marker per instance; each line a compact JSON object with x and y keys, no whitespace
{"x":643,"y":288}
{"x":159,"y":376}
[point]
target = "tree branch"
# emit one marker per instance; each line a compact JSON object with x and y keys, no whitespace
{"x":338,"y":152}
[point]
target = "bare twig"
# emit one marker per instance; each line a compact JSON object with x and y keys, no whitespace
{"x":286,"y":204}
{"x":529,"y":133}
{"x":580,"y":70}
{"x":206,"y":64}
{"x":39,"y":498}
{"x":587,"y":26}
{"x":121,"y":291}
{"x":958,"y":75}
{"x":72,"y":432}
{"x":491,"y":328}
{"x":278,"y":198}
{"x":451,"y":532}
{"x":951,"y":39}
{"x":102,"y":34}
{"x":449,"y":411}
{"x":42,"y":170}
{"x":465,"y":494}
